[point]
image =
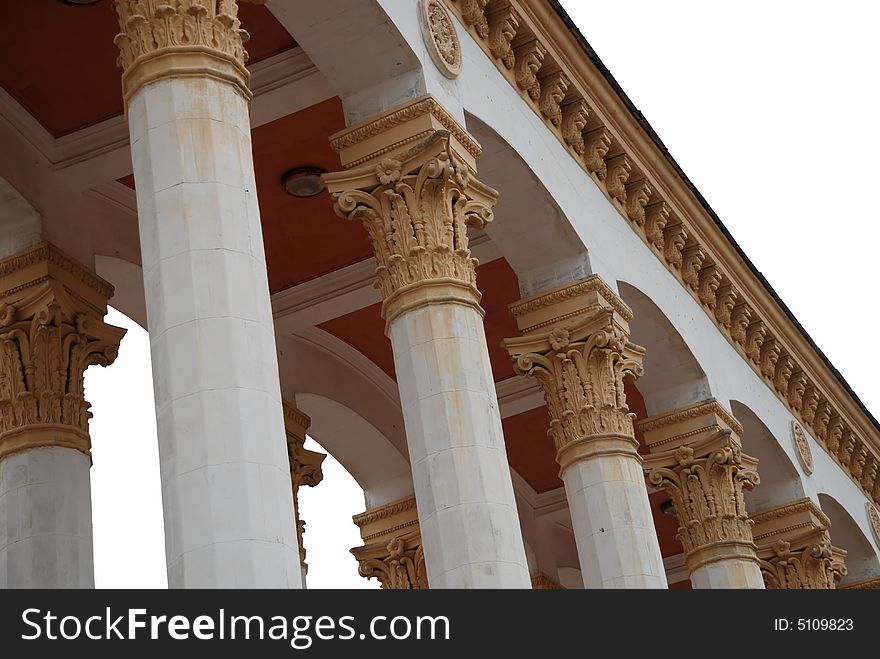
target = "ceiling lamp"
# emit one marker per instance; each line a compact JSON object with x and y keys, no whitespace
{"x":303,"y":181}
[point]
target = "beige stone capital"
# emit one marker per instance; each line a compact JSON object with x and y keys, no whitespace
{"x":305,"y":465}
{"x":794,"y":546}
{"x":696,"y":456}
{"x":541,"y":581}
{"x":410,"y":178}
{"x":576,"y":343}
{"x":180,"y":38}
{"x":51,"y":330}
{"x":392,"y":550}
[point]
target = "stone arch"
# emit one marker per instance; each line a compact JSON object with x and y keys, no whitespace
{"x":780,"y":481}
{"x":532,"y":232}
{"x":861,"y":559}
{"x":354,"y":411}
{"x":673,"y":377}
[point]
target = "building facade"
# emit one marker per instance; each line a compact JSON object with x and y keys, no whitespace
{"x":435,"y":236}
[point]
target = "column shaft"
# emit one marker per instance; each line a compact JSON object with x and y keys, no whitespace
{"x":229,"y":517}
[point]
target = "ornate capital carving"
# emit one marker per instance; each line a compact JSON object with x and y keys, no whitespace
{"x":417,"y":207}
{"x":794,"y":547}
{"x":305,"y":466}
{"x":697,"y":458}
{"x":51,"y":331}
{"x":541,"y":581}
{"x":392,"y":552}
{"x":168,"y":38}
{"x":503,"y":24}
{"x":576,"y":344}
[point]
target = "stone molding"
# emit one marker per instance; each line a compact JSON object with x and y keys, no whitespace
{"x":180,"y":38}
{"x":417,"y":207}
{"x":392,"y":552}
{"x":576,"y":345}
{"x":51,"y":330}
{"x":794,"y":547}
{"x":865,"y":584}
{"x":305,"y":466}
{"x":696,"y":456}
{"x":525,"y":38}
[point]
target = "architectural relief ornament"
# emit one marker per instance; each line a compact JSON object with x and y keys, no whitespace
{"x":438,"y":31}
{"x":305,"y":466}
{"x":794,"y":547}
{"x":580,"y":362}
{"x":706,"y":484}
{"x":51,"y":331}
{"x":166,"y":38}
{"x":874,"y":520}
{"x":417,"y":207}
{"x":802,"y":447}
{"x":529,"y":45}
{"x":393,"y":551}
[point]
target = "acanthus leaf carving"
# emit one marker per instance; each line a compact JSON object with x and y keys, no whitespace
{"x":797,"y":386}
{"x":597,"y":142}
{"x":553,"y":88}
{"x":726,"y":299}
{"x":674,"y":238}
{"x":756,"y":333}
{"x":574,"y":118}
{"x":619,"y":168}
{"x":638,"y":193}
{"x":709,"y":279}
{"x":529,"y":58}
{"x":692,"y":258}
{"x":740,"y":320}
{"x":503,"y":24}
{"x":782,"y":375}
{"x":656,"y":218}
{"x":473,"y":15}
{"x":815,"y":566}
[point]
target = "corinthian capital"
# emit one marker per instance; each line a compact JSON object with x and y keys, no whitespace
{"x":305,"y":466}
{"x":392,"y":552}
{"x":795,"y":549}
{"x":416,"y":204}
{"x":164,"y":38}
{"x":576,"y":344}
{"x":696,"y":456}
{"x":51,"y":331}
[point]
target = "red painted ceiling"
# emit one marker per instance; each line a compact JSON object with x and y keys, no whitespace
{"x":59,"y":61}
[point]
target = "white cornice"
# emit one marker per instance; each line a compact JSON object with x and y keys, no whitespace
{"x":541,"y":504}
{"x":116,"y":194}
{"x":676,"y":569}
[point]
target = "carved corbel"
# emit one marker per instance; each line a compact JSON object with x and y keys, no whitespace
{"x":529,"y":57}
{"x":725,"y":301}
{"x":810,"y":404}
{"x":619,"y":168}
{"x":656,"y":219}
{"x":473,"y":15}
{"x":637,"y":195}
{"x":709,"y":280}
{"x":858,"y":462}
{"x":693,"y":256}
{"x":597,"y":143}
{"x":797,"y":386}
{"x":821,"y":419}
{"x":553,"y":88}
{"x":574,"y":118}
{"x":770,"y":352}
{"x":784,"y":369}
{"x":674,"y":237}
{"x":503,"y":24}
{"x":740,"y":320}
{"x":756,"y":333}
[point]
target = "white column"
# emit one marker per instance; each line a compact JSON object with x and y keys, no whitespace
{"x":410,"y":179}
{"x":613,"y":527}
{"x":226,"y":488}
{"x":575,"y":342}
{"x":467,"y":513}
{"x":46,"y":520}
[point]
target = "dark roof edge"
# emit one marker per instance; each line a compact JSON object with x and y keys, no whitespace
{"x":643,"y":122}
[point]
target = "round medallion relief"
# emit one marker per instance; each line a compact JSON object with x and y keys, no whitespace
{"x":438,"y":31}
{"x":802,"y":447}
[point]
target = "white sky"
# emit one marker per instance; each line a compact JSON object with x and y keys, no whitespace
{"x":769,"y":107}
